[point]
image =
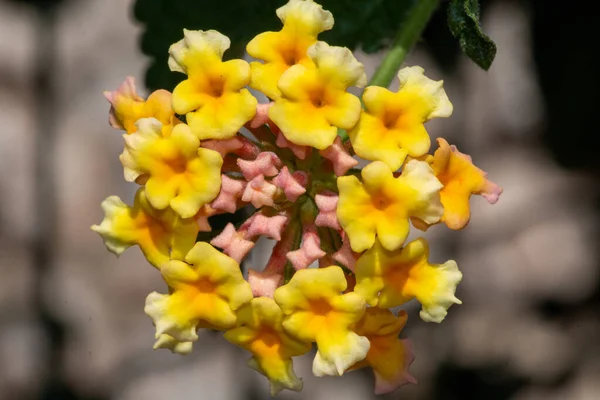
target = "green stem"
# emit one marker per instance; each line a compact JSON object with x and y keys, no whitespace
{"x":409,"y":33}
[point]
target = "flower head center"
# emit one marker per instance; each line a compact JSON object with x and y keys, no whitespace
{"x":178,"y":165}
{"x":390,"y":119}
{"x":217,"y":87}
{"x":205,"y":286}
{"x":320,"y":307}
{"x":381,"y":202}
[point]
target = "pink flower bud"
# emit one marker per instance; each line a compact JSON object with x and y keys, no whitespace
{"x":238,"y":145}
{"x":264,"y":283}
{"x":310,"y":250}
{"x":231,"y":190}
{"x":233,"y":243}
{"x":299,"y":151}
{"x":267,"y":164}
{"x":327,"y":204}
{"x":271,"y":227}
{"x":339,"y":157}
{"x":293,"y":185}
{"x":262,"y":115}
{"x":345,"y":255}
{"x":259,"y":192}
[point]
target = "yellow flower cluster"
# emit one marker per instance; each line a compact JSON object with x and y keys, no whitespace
{"x":341,"y":262}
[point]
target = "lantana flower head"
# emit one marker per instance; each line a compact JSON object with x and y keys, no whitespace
{"x":340,"y":263}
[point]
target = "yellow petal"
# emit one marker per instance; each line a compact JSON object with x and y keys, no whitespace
{"x":260,"y":332}
{"x":315,"y":310}
{"x":383,"y":204}
{"x":314,"y":101}
{"x":391,"y":278}
{"x":302,"y":22}
{"x":179,"y":174}
{"x":161,"y":235}
{"x":213,"y":97}
{"x":391,"y":127}
{"x":461,"y":179}
{"x":205,"y":291}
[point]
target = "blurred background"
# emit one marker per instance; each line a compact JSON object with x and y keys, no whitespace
{"x":72,"y":324}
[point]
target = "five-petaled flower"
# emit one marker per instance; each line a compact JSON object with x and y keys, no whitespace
{"x":261,"y":332}
{"x":391,"y":278}
{"x":389,"y":356}
{"x":315,"y":101}
{"x":175,"y":170}
{"x":391,"y":127}
{"x":461,"y":179}
{"x":161,"y":234}
{"x":206,"y":290}
{"x":381,"y":205}
{"x":316,"y":311}
{"x":302,"y":22}
{"x":340,"y":261}
{"x":213,"y":97}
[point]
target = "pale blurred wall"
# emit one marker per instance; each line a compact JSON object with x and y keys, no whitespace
{"x":536,"y":243}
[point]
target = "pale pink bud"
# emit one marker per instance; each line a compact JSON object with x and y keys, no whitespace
{"x":231,"y":190}
{"x":309,"y":252}
{"x":299,"y":151}
{"x":262,"y":115}
{"x":264,"y":283}
{"x":339,"y":157}
{"x":259,"y":192}
{"x":345,"y":255}
{"x":202,"y":218}
{"x":271,"y":227}
{"x":267,"y":164}
{"x":238,"y":145}
{"x":293,"y":185}
{"x":327,"y":204}
{"x":233,"y":243}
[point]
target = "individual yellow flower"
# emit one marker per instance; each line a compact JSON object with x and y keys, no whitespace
{"x":391,"y":127}
{"x":213,"y":97}
{"x":316,"y":311}
{"x":127,"y":107}
{"x":461,"y":179}
{"x":261,"y":333}
{"x":161,"y":235}
{"x":176,"y":171}
{"x":302,"y":22}
{"x":314,"y":101}
{"x":388,"y":356}
{"x":383,"y":204}
{"x":205,"y":291}
{"x":391,"y":278}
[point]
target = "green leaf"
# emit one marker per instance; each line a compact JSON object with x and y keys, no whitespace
{"x":463,"y":21}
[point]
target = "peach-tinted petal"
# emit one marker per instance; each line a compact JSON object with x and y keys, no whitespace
{"x":161,"y":235}
{"x":461,"y":179}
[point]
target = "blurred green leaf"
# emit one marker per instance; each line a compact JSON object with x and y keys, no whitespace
{"x":370,"y":25}
{"x":463,"y":20}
